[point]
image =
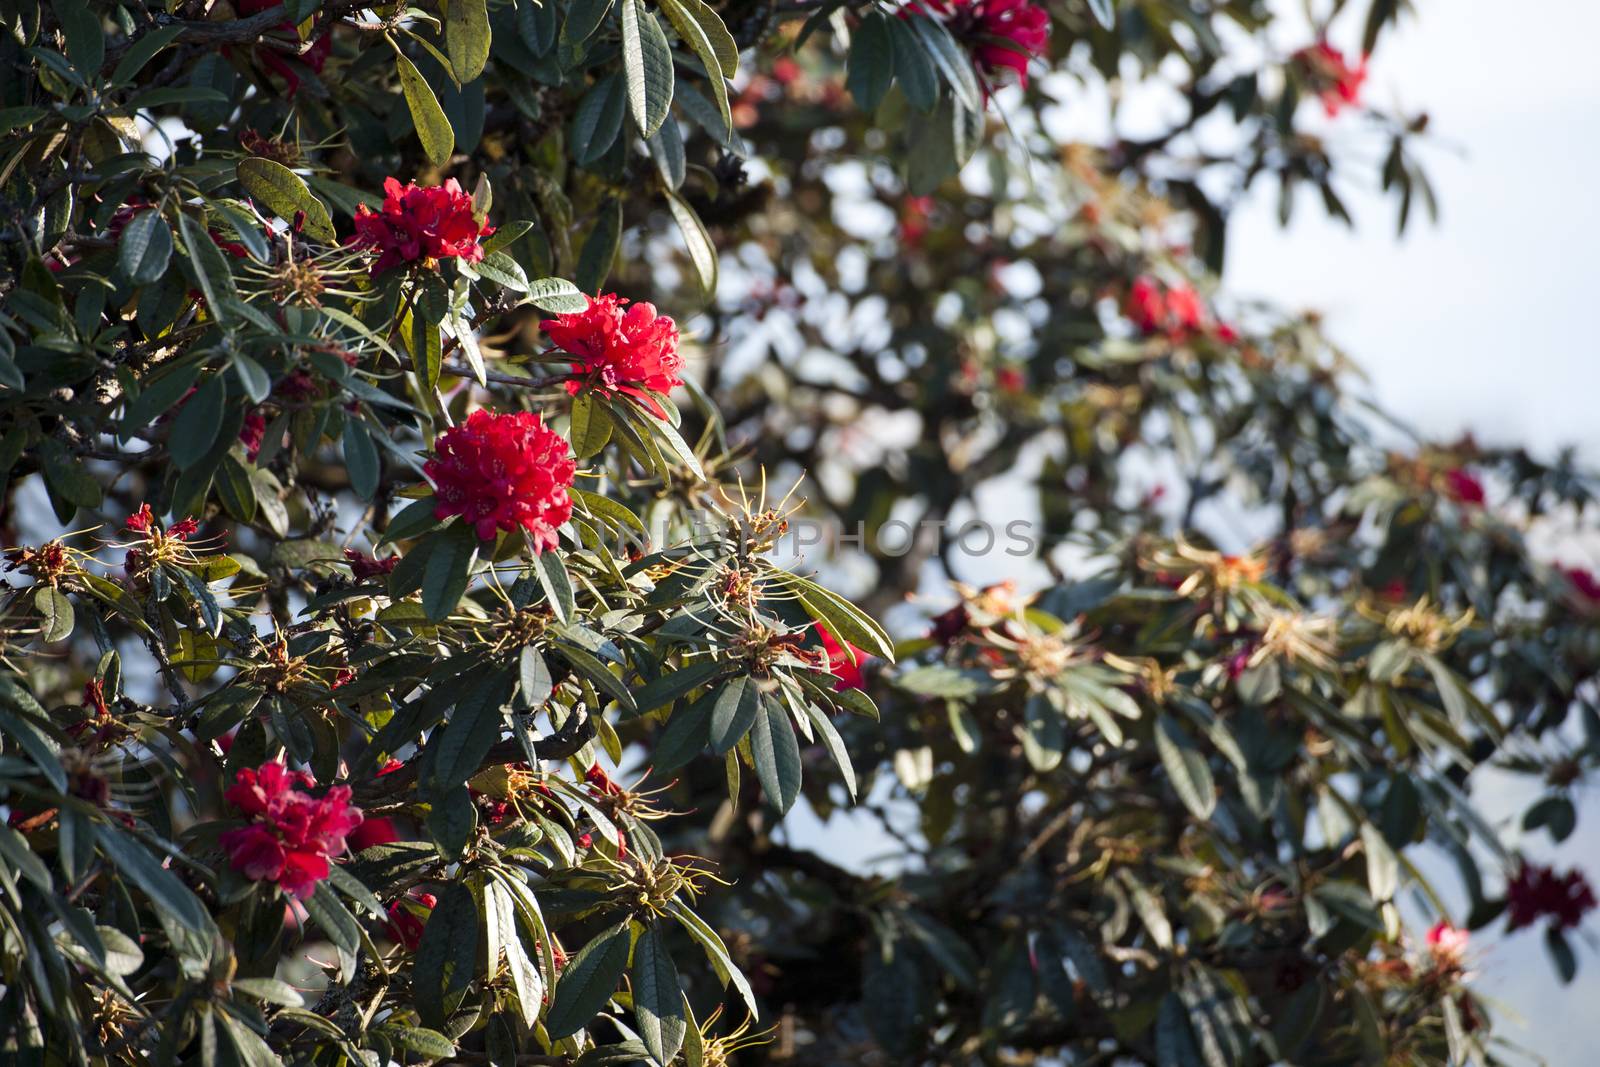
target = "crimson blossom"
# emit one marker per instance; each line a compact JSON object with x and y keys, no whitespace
{"x":845,"y":661}
{"x":1538,"y":892}
{"x":420,"y":225}
{"x":502,"y":472}
{"x":1002,"y":34}
{"x":621,"y":348}
{"x":292,"y":835}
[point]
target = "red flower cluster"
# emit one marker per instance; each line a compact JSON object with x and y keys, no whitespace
{"x":1337,"y":82}
{"x":1539,"y":892}
{"x":419,"y":225}
{"x":408,"y":916}
{"x":848,"y":673}
{"x":1002,"y":34}
{"x":502,"y":472}
{"x":292,"y":835}
{"x":1177,"y":311}
{"x":621,"y":348}
{"x":364,"y":566}
{"x":143,"y":521}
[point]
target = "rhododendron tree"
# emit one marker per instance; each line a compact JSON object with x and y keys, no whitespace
{"x":461,"y":467}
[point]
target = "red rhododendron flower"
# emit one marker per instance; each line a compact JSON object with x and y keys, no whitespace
{"x":291,"y":835}
{"x":621,"y":348}
{"x":315,"y":56}
{"x":372,"y":832}
{"x":364,"y":566}
{"x":1337,"y":82}
{"x":253,"y":433}
{"x":845,"y":670}
{"x":503,"y":472}
{"x":1539,"y":892}
{"x":418,"y":225}
{"x":1010,"y":379}
{"x":1002,"y":34}
{"x":1462,"y":486}
{"x":1184,"y":310}
{"x":1147,"y":305}
{"x":408,"y":918}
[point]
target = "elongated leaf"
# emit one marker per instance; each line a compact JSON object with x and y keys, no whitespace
{"x":447,"y":955}
{"x":433,"y":129}
{"x":692,"y":30}
{"x":286,"y":195}
{"x":198,"y":422}
{"x":871,"y":66}
{"x":448,"y":568}
{"x":556,"y":295}
{"x":466,"y":32}
{"x":953,"y":63}
{"x":647,"y":64}
{"x":474,"y":727}
{"x":737,"y":704}
{"x":598,"y":120}
{"x":211,"y":270}
{"x":56,"y":616}
{"x":702,"y":252}
{"x":589,"y":980}
{"x":145,"y":248}
{"x":361,"y":458}
{"x":600,"y":250}
{"x":170,"y":896}
{"x":913,"y":67}
{"x":657,"y":999}
{"x":591,"y":425}
{"x":776,"y":754}
{"x":1187,"y":768}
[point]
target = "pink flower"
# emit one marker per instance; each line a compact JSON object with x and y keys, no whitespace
{"x":1537,"y":892}
{"x":1448,"y":943}
{"x":420,"y":225}
{"x":504,"y":472}
{"x":291,"y":835}
{"x":621,"y":348}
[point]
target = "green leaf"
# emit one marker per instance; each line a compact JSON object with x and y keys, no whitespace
{"x":591,"y":425}
{"x":647,"y":64}
{"x":776,"y":753}
{"x":673,"y":684}
{"x":66,"y":476}
{"x":556,"y":295}
{"x":687,"y":733}
{"x":716,"y":953}
{"x":448,"y":568}
{"x":953,"y":63}
{"x":195,"y":429}
{"x":871,"y":66}
{"x":1104,"y":13}
{"x":588,"y":981}
{"x":466,"y":32}
{"x":212,"y":273}
{"x":286,"y":195}
{"x":702,"y":252}
{"x":170,"y":896}
{"x":733,"y":713}
{"x":501,"y":268}
{"x":600,"y":250}
{"x":691,"y":19}
{"x":912,"y":65}
{"x":142,"y":51}
{"x":598,"y":120}
{"x":842,"y":618}
{"x":583,"y":18}
{"x":361,"y":458}
{"x":657,"y":998}
{"x":433,"y":129}
{"x":55,"y":613}
{"x":429,"y":1044}
{"x":414,"y":519}
{"x":556,"y":583}
{"x":86,"y":41}
{"x":1561,"y":954}
{"x":533,"y":674}
{"x":474,"y":727}
{"x":1187,"y":768}
{"x":447,"y":955}
{"x":145,"y":248}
